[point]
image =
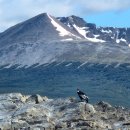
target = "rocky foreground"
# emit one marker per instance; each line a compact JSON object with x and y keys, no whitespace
{"x":20,"y":112}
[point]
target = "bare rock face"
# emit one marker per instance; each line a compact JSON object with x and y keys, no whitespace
{"x":34,"y":112}
{"x":90,"y":108}
{"x":35,"y":99}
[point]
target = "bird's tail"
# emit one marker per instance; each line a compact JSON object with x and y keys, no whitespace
{"x":87,"y":100}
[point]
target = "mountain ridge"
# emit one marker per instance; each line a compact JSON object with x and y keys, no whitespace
{"x":111,"y":34}
{"x":79,"y":28}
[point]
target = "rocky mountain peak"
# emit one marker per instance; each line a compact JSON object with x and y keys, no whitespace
{"x":71,"y":20}
{"x":42,"y":27}
{"x":96,"y":34}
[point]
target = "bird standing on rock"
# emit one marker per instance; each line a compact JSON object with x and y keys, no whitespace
{"x":82,"y":96}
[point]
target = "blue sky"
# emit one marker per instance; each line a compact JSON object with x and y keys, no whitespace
{"x":110,"y":18}
{"x":101,"y":12}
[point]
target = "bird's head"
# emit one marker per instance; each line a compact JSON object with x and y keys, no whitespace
{"x":77,"y":90}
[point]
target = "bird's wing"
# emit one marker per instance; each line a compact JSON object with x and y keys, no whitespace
{"x":84,"y":96}
{"x":81,"y":93}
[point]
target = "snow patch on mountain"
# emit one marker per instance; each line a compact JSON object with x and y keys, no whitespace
{"x":120,"y":40}
{"x":80,"y":30}
{"x":82,"y":65}
{"x":69,"y":39}
{"x":124,"y":40}
{"x":95,"y":40}
{"x":69,"y":64}
{"x":60,"y":29}
{"x":106,"y":31}
{"x":8,"y":66}
{"x":83,"y":32}
{"x":117,"y":40}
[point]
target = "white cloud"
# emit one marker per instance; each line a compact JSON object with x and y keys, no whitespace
{"x":14,"y":11}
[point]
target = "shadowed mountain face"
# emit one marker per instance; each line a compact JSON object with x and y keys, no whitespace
{"x":46,"y":39}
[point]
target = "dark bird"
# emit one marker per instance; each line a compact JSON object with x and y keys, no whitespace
{"x":82,"y":96}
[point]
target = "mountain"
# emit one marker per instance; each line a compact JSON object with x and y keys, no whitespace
{"x":96,"y":34}
{"x":45,"y":39}
{"x":40,"y":28}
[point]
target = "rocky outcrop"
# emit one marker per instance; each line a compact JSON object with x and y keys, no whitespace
{"x":34,"y":112}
